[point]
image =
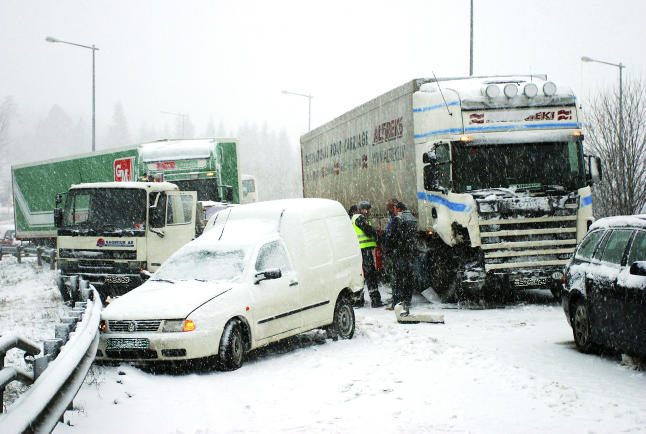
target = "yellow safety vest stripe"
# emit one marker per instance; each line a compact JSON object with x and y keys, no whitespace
{"x":365,"y":241}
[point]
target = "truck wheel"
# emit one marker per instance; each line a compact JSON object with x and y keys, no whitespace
{"x":343,"y":322}
{"x":231,"y":352}
{"x":581,"y":327}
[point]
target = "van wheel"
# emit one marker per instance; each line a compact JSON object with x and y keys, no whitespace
{"x":343,"y":322}
{"x":581,"y":327}
{"x":231,"y":351}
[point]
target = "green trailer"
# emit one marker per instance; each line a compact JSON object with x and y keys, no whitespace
{"x":208,"y":166}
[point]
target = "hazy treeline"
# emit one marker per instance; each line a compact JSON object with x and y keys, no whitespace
{"x":267,"y":154}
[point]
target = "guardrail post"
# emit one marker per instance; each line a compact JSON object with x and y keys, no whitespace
{"x":74,"y":288}
{"x":51,"y":347}
{"x":40,"y":364}
{"x":18,"y":254}
{"x":39,"y":256}
{"x":52,"y":259}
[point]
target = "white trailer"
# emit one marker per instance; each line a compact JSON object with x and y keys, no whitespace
{"x":493,"y":168}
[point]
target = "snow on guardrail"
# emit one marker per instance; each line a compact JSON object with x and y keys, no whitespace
{"x":57,"y":381}
{"x":43,"y":254}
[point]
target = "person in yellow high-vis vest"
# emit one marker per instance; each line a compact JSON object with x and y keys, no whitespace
{"x":367,"y":241}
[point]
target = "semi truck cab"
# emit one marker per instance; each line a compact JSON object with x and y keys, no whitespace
{"x":108,"y":233}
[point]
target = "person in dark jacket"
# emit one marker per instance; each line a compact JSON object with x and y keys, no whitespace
{"x":401,"y":243}
{"x":367,"y":236}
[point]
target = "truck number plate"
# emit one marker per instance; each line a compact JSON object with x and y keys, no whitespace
{"x":117,"y":279}
{"x":531,"y":281}
{"x":127,"y":344}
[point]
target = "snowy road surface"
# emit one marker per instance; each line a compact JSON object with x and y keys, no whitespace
{"x":513,"y":369}
{"x":502,"y":370}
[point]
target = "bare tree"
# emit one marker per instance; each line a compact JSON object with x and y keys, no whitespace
{"x":620,"y":141}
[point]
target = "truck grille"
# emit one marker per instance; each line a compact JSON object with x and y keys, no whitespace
{"x":526,"y":241}
{"x":139,"y":325}
{"x":97,"y":254}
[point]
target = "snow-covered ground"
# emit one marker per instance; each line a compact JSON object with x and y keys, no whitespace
{"x":512,"y":369}
{"x":30,"y":305}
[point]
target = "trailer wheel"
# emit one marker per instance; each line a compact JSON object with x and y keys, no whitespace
{"x":231,"y":352}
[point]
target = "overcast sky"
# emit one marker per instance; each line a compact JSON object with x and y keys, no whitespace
{"x":230,"y":59}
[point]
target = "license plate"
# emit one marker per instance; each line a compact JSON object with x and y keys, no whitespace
{"x":117,"y":279}
{"x":531,"y":281}
{"x":127,"y":344}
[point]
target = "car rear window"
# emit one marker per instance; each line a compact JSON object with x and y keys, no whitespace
{"x":616,"y":246}
{"x":638,"y":249}
{"x":588,"y":245}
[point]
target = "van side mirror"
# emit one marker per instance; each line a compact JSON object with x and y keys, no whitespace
{"x":638,"y":268}
{"x":272,"y":273}
{"x":58,"y":217}
{"x":145,"y":274}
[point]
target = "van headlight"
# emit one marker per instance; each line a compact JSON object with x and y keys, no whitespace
{"x":173,"y":325}
{"x":178,"y":325}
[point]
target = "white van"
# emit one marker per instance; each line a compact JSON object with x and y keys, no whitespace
{"x":263,"y":272}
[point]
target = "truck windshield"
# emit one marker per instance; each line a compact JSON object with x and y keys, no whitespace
{"x":110,"y":209}
{"x":521,"y":166}
{"x":207,"y":189}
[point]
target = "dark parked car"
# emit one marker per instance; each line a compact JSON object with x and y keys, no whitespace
{"x":604,"y":288}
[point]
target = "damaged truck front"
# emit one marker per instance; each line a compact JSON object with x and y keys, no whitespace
{"x":111,"y":234}
{"x":493,"y":168}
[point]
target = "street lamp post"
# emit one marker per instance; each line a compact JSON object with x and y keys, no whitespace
{"x":309,"y":112}
{"x":183,"y":116}
{"x":94,"y":49}
{"x":621,"y":66}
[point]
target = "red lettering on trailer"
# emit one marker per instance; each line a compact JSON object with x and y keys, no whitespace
{"x":123,"y":170}
{"x":564,"y":115}
{"x":165,"y":165}
{"x":477,"y":118}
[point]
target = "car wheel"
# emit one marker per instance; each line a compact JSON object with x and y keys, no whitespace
{"x":581,"y":327}
{"x":343,"y":322}
{"x":231,"y":351}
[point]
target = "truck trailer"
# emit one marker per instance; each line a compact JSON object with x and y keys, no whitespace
{"x":208,"y":166}
{"x":492,"y":167}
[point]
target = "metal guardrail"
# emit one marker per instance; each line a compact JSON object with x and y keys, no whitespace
{"x":59,"y":373}
{"x":44,"y":254}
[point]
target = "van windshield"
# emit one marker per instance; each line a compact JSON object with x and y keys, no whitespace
{"x":218,"y":263}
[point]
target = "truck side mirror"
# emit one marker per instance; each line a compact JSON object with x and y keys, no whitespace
{"x":58,"y":217}
{"x":228,"y":193}
{"x":595,"y":169}
{"x":429,"y":158}
{"x":431,"y":179}
{"x":638,"y":268}
{"x":59,"y":199}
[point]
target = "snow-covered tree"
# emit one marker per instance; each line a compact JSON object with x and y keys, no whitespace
{"x":118,"y":131}
{"x":620,"y":141}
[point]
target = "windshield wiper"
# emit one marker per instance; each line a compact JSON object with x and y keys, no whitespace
{"x":163,"y":280}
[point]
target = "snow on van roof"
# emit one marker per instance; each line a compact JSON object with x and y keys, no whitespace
{"x":635,"y":221}
{"x":262,"y":219}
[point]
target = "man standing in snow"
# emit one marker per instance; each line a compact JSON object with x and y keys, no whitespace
{"x":401,"y":243}
{"x":367,"y":241}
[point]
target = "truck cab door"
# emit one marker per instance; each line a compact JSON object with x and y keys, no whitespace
{"x":172,"y":224}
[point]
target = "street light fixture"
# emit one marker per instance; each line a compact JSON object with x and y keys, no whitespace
{"x":309,"y":112}
{"x":621,"y":66}
{"x":94,"y":49}
{"x":181,"y":115}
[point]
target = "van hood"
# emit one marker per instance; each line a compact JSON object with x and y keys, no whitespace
{"x":160,"y":299}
